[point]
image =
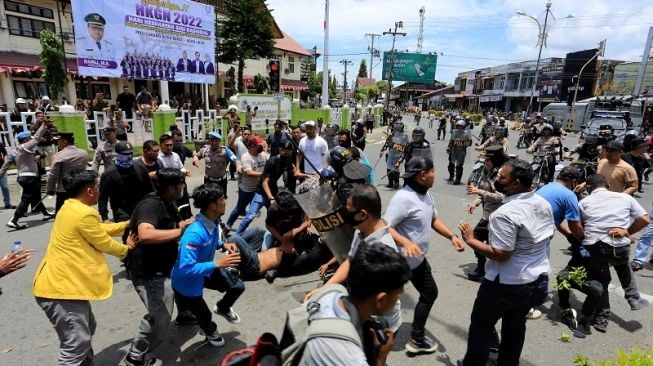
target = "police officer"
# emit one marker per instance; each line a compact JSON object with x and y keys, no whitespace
{"x":94,"y":46}
{"x":498,"y":138}
{"x":419,"y":146}
{"x":329,"y":135}
{"x":461,"y":139}
{"x":105,"y":153}
{"x":216,"y":158}
{"x":67,"y":159}
{"x":547,"y":143}
{"x":396,"y":144}
{"x":442,"y":127}
{"x":27,"y":157}
{"x":358,"y":135}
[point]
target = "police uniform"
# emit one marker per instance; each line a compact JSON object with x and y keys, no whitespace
{"x":103,"y":50}
{"x":216,"y":162}
{"x":397,"y":144}
{"x":67,"y":159}
{"x":420,"y":147}
{"x":105,"y":152}
{"x":460,"y":140}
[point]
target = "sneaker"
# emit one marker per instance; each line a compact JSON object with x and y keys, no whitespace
{"x":232,"y":317}
{"x":569,"y":318}
{"x":534,"y":314}
{"x":271,"y":275}
{"x":16,"y":225}
{"x":636,"y":266}
{"x":635,"y":304}
{"x":47,"y":215}
{"x":148,"y":362}
{"x":10,"y":207}
{"x":215,"y":339}
{"x":185,"y":319}
{"x":600,"y":323}
{"x":421,"y":346}
{"x":476,"y":275}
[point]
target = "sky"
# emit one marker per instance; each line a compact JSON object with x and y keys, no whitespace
{"x":465,"y":34}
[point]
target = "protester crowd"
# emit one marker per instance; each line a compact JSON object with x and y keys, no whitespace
{"x":176,"y":242}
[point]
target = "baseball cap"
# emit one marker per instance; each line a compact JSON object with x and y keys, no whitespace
{"x":416,"y":165}
{"x":214,"y":136}
{"x":615,"y":145}
{"x":20,"y":100}
{"x":309,"y":123}
{"x":639,"y":142}
{"x":255,"y":140}
{"x":124,"y":147}
{"x":45,"y":97}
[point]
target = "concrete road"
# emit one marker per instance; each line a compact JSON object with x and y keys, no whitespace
{"x":28,"y":338}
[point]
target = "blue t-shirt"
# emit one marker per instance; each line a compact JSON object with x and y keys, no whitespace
{"x":563,"y":201}
{"x":195,"y":261}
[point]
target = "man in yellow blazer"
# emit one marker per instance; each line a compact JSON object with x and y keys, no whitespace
{"x":74,"y":270}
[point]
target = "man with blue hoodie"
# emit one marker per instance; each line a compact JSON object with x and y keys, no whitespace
{"x":196,"y":268}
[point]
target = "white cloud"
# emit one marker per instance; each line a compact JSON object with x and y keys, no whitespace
{"x":459,"y":29}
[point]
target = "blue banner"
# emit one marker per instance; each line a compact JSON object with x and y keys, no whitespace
{"x":170,"y":40}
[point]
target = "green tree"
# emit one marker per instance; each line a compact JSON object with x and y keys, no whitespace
{"x":52,"y":54}
{"x":315,"y":84}
{"x":261,"y":83}
{"x":333,"y":87}
{"x":362,"y":69}
{"x":244,"y":34}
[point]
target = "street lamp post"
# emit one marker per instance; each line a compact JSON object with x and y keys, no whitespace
{"x":542,"y":41}
{"x":398,"y":25}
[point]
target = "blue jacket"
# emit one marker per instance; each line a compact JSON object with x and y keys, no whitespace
{"x":195,"y":261}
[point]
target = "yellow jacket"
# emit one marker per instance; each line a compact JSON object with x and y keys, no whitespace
{"x":74,"y":267}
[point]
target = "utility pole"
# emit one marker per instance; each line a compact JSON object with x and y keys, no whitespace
{"x":420,"y":36}
{"x":372,"y":50}
{"x":325,"y":60}
{"x":344,"y":83}
{"x":398,"y":25}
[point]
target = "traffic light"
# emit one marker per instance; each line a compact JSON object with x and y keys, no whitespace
{"x":274,"y":73}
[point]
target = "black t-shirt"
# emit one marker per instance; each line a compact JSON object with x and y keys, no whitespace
{"x":126,"y":101}
{"x":123,"y":188}
{"x":149,"y":260}
{"x":3,"y":151}
{"x":181,"y":150}
{"x":274,"y":169}
{"x":274,"y":141}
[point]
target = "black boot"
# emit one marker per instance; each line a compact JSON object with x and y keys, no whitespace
{"x":459,"y":174}
{"x":450,"y":168}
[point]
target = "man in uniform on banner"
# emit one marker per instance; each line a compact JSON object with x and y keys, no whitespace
{"x":95,"y":46}
{"x":461,"y":139}
{"x":396,"y":144}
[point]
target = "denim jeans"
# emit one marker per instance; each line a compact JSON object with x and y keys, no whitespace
{"x":424,"y":282}
{"x":510,"y":303}
{"x":254,"y":207}
{"x":249,"y":243}
{"x":602,"y":256}
{"x":244,"y":199}
{"x":4,"y":185}
{"x":158,"y":297}
{"x":643,"y":243}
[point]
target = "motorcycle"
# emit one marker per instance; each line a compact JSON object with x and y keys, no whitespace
{"x":525,"y":138}
{"x":541,"y":169}
{"x":478,"y":171}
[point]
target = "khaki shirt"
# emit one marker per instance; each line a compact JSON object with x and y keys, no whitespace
{"x":64,"y":161}
{"x":26,"y":155}
{"x":618,"y":175}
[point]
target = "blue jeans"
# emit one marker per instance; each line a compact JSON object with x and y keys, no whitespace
{"x":244,"y":199}
{"x":249,"y":243}
{"x":510,"y":303}
{"x":4,"y":185}
{"x":254,"y":207}
{"x":643,"y":243}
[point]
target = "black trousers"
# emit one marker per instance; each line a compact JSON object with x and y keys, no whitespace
{"x":61,"y":198}
{"x":31,"y":196}
{"x":425,"y":284}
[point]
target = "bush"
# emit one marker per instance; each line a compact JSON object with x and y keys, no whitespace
{"x":636,"y":357}
{"x":474,"y":117}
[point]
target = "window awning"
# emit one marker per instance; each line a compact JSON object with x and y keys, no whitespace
{"x":21,"y":63}
{"x":292,"y":85}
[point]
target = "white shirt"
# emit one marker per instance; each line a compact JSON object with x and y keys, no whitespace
{"x":171,"y":161}
{"x":314,"y":150}
{"x":603,"y":210}
{"x":524,"y":226}
{"x":411,"y":214}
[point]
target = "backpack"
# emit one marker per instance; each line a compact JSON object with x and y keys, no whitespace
{"x":300,"y":328}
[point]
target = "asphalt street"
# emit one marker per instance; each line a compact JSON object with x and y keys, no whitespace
{"x":29,"y":339}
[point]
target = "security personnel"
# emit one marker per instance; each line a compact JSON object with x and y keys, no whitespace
{"x":216,"y":159}
{"x":461,"y":139}
{"x":68,"y":158}
{"x":358,"y":134}
{"x":396,"y":144}
{"x":26,"y":157}
{"x":105,"y":153}
{"x":419,"y":146}
{"x":94,"y":46}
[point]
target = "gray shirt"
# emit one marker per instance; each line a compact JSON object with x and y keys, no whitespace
{"x":524,"y":226}
{"x":171,"y":161}
{"x":104,"y":154}
{"x":255,"y":163}
{"x":411,"y":214}
{"x":25,"y":155}
{"x":70,"y":158}
{"x":603,"y":210}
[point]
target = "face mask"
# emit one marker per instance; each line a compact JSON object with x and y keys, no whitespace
{"x":500,"y":187}
{"x":124,"y":160}
{"x":349,"y":216}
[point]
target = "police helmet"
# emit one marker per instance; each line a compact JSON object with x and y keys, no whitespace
{"x":591,"y":138}
{"x":461,"y":123}
{"x":399,"y":126}
{"x":547,"y":126}
{"x":359,"y":122}
{"x":632,"y":133}
{"x":418,"y":134}
{"x":338,"y":157}
{"x":500,"y":131}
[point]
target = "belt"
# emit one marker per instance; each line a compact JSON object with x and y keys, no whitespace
{"x":28,"y":174}
{"x":216,"y":180}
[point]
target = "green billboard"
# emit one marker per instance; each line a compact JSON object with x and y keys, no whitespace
{"x":412,"y":67}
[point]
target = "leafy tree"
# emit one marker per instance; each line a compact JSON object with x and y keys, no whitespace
{"x":333,"y":87}
{"x":362,"y":69}
{"x":244,"y":34}
{"x":261,"y":83}
{"x":52,"y":54}
{"x":315,"y":84}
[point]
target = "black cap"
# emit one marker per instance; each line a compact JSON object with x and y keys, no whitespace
{"x":639,"y":142}
{"x":68,"y":136}
{"x":570,"y":172}
{"x":124,"y":147}
{"x":108,"y":130}
{"x":494,"y":149}
{"x":416,"y":165}
{"x":95,"y":19}
{"x":614,"y":144}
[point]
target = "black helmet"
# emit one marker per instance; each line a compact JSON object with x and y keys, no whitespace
{"x":500,"y":131}
{"x":359,"y":122}
{"x":547,"y":126}
{"x":591,"y":138}
{"x":338,"y":157}
{"x":399,"y":126}
{"x":419,"y":131}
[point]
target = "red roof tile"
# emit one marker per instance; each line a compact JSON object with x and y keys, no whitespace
{"x":287,"y":43}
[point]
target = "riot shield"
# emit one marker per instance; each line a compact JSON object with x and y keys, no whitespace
{"x":322,"y":206}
